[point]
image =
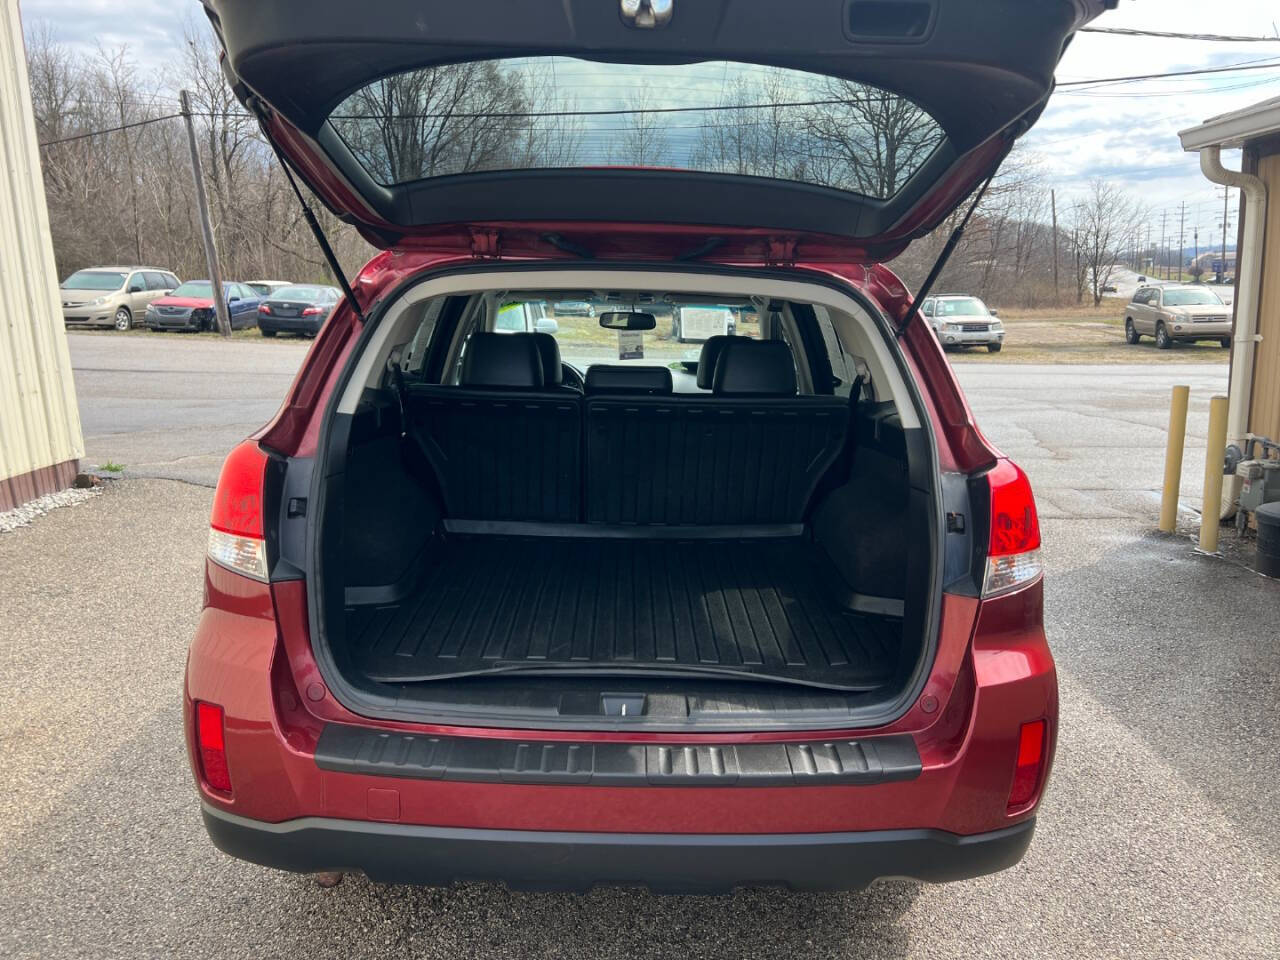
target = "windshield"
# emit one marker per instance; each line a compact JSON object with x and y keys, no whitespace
{"x":713,"y":117}
{"x":680,"y":331}
{"x":309,"y":294}
{"x":1191,"y":298}
{"x":960,"y":307}
{"x":194,"y":288}
{"x":94,"y":280}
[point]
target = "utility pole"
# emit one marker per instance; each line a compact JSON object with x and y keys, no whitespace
{"x":206,"y":229}
{"x":1182,"y":236}
{"x":1226,"y":194}
{"x":1053,"y":207}
{"x":1196,"y":233}
{"x":1164,"y":215}
{"x":1146,"y":248}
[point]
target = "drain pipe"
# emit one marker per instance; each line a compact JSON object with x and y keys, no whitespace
{"x":1248,"y":283}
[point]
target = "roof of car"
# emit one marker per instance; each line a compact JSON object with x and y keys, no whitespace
{"x":126,"y":267}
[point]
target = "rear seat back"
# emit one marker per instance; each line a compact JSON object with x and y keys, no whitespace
{"x":752,"y":453}
{"x":503,"y":446}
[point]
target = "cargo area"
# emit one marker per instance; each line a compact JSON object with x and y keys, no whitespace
{"x":512,"y":535}
{"x":764,"y":608}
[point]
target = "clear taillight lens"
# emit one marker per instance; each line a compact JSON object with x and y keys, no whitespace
{"x":1013,"y":554}
{"x":236,"y":539}
{"x":241,"y":554}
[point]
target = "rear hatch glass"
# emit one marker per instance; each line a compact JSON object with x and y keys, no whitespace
{"x":711,"y":117}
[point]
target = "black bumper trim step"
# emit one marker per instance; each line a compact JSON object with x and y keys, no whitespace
{"x":349,"y":749}
{"x":663,"y":862}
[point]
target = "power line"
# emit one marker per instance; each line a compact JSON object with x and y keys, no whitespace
{"x":1269,"y":64}
{"x":98,"y":133}
{"x":1166,"y":35}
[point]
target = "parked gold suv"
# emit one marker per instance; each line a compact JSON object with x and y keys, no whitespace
{"x":1175,"y":312}
{"x":112,"y":296}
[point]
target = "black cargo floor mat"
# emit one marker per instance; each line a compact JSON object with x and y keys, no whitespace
{"x":759,"y":608}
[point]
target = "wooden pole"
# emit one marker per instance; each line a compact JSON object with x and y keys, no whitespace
{"x":1053,"y":206}
{"x":206,"y":229}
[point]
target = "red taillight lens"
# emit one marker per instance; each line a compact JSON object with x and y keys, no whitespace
{"x":1013,"y":555}
{"x":212,"y":743}
{"x":312,"y":312}
{"x":263,"y":308}
{"x":236,"y":524}
{"x":1026,"y":773}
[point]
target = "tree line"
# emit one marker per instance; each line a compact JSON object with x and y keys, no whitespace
{"x":126,"y":196}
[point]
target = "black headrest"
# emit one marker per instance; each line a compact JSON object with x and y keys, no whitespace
{"x":647,"y":381}
{"x":759,"y":368}
{"x":709,"y":355}
{"x":502,"y":361}
{"x":549,"y":350}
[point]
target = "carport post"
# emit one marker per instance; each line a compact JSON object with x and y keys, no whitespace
{"x":1173,"y":458}
{"x":1211,"y":511}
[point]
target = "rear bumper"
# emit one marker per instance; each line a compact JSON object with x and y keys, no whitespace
{"x":289,"y":324}
{"x":671,"y":863}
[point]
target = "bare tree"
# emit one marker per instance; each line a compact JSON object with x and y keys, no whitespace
{"x":1103,"y":218}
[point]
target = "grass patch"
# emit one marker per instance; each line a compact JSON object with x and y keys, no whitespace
{"x":112,"y":467}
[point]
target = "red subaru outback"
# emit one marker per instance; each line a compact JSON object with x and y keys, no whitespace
{"x":551,"y":597}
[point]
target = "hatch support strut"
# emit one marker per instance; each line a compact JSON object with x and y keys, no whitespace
{"x":314,"y":224}
{"x":948,"y":249}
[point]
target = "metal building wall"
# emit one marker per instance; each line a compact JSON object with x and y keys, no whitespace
{"x":1264,"y":407}
{"x":40,"y":439}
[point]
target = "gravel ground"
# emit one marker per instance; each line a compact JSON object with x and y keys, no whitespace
{"x":1158,"y":838}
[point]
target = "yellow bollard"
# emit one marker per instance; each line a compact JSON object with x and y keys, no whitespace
{"x":1211,"y":512}
{"x":1173,"y":458}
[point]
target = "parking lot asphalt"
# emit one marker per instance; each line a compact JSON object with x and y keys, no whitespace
{"x":1160,"y":836}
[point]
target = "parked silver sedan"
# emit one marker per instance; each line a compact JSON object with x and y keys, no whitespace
{"x":1176,"y":312}
{"x":963,"y":321}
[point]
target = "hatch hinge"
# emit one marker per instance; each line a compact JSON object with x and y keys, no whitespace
{"x":782,"y":252}
{"x":485,"y":244}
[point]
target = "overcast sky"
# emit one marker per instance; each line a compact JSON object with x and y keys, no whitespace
{"x":1125,"y":132}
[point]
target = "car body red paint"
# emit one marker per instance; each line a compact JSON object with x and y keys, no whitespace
{"x":992,"y":672}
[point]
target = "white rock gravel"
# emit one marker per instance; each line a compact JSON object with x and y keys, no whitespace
{"x":11,"y":520}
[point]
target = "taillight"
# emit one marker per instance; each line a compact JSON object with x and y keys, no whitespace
{"x":1030,"y":763}
{"x":263,"y":308}
{"x":312,"y":312}
{"x":1013,"y":555}
{"x":236,"y":538}
{"x":212,"y":743}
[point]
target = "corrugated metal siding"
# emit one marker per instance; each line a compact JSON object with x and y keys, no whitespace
{"x":1264,"y":408}
{"x":39,"y":420}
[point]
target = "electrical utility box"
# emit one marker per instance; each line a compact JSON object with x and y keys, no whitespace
{"x":1261,"y":483}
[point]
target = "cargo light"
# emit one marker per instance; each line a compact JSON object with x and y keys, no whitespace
{"x":1013,"y":556}
{"x":212,"y":743}
{"x":236,"y":538}
{"x":1029,"y":765}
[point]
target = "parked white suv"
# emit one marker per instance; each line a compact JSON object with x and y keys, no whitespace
{"x":963,"y":321}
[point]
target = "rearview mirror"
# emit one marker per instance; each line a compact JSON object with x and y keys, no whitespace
{"x":627,"y":321}
{"x":545,"y":325}
{"x":993,"y":312}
